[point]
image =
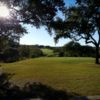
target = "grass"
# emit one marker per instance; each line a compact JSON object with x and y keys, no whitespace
{"x":48,"y":52}
{"x":79,"y":75}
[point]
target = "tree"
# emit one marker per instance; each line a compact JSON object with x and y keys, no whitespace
{"x":82,"y":21}
{"x":34,"y":12}
{"x":24,"y":51}
{"x":35,"y":52}
{"x":72,"y":49}
{"x":87,"y":51}
{"x":10,"y":33}
{"x":10,"y":54}
{"x":29,"y":51}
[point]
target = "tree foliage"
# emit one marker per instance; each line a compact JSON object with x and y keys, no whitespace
{"x":74,"y":49}
{"x":29,"y":51}
{"x":82,"y":21}
{"x":34,"y":12}
{"x":10,"y":54}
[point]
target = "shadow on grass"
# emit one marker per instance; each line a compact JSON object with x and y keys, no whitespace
{"x":9,"y":91}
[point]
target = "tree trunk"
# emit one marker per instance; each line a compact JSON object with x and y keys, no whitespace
{"x":97,"y":54}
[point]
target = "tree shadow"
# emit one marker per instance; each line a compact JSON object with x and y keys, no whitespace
{"x":9,"y":91}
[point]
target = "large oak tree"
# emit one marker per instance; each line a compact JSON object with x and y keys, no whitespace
{"x":82,"y":21}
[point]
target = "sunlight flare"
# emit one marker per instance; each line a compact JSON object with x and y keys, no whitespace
{"x":4,"y":11}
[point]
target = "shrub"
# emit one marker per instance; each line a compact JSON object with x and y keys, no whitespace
{"x":10,"y":54}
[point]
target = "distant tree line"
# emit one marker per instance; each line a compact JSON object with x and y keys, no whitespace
{"x":29,"y":51}
{"x":80,"y":20}
{"x":12,"y":51}
{"x":74,"y":49}
{"x":8,"y":49}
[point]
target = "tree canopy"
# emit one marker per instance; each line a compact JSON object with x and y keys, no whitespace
{"x":34,"y":12}
{"x":82,"y":21}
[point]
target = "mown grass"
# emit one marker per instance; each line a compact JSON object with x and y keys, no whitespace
{"x":48,"y":52}
{"x":79,"y":75}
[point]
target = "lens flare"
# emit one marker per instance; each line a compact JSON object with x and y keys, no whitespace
{"x":4,"y":11}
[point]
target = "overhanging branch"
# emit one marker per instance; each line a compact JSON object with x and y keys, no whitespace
{"x":87,"y":41}
{"x":93,"y":40}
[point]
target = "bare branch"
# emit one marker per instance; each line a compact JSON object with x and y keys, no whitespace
{"x":94,"y":41}
{"x":14,"y":9}
{"x":83,"y":37}
{"x":90,"y":42}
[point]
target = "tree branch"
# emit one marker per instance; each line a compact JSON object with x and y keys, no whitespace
{"x":14,"y":9}
{"x":99,"y":37}
{"x":83,"y":37}
{"x":94,"y":41}
{"x":90,"y":42}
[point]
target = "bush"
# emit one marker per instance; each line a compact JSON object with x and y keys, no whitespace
{"x":10,"y":54}
{"x":74,"y":49}
{"x":35,"y":52}
{"x":26,"y":51}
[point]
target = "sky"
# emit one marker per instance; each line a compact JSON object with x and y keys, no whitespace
{"x":41,"y":36}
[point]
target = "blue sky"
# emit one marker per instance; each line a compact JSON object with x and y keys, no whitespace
{"x":41,"y":36}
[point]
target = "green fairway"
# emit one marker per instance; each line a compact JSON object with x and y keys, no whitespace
{"x":79,"y":75}
{"x":48,"y":52}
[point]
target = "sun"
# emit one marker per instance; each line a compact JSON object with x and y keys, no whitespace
{"x":4,"y":11}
